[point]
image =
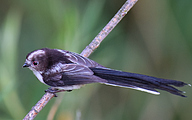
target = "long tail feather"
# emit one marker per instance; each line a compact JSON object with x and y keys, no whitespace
{"x":137,"y":81}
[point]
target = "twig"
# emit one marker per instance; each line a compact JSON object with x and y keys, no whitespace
{"x":86,"y":52}
{"x":108,"y":28}
{"x":39,"y":106}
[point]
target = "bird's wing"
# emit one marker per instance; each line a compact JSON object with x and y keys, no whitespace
{"x":70,"y":74}
{"x":78,"y":59}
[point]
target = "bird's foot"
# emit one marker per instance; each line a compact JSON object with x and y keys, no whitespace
{"x":54,"y":91}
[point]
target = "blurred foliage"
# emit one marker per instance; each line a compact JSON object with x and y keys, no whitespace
{"x":154,"y":39}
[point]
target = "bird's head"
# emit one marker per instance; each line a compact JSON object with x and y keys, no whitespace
{"x":36,"y":60}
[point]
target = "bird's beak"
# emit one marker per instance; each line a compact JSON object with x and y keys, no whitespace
{"x":26,"y":65}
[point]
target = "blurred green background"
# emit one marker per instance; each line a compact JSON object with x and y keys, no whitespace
{"x":155,"y":38}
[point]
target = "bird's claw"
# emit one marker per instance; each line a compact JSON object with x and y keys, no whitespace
{"x":54,"y":91}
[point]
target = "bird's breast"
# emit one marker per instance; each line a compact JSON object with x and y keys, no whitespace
{"x":39,"y":76}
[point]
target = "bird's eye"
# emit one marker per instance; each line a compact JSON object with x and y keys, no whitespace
{"x":35,"y":63}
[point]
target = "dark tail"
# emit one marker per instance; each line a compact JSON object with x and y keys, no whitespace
{"x":138,"y":81}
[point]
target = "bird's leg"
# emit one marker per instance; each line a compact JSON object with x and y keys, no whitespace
{"x":55,"y":90}
{"x":52,"y":90}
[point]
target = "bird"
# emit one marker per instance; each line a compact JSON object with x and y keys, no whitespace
{"x":63,"y":70}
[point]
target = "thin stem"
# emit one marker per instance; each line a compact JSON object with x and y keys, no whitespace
{"x":39,"y":106}
{"x":86,"y":52}
{"x":108,"y":28}
{"x":54,"y":108}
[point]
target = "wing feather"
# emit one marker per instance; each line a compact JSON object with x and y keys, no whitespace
{"x":78,"y":59}
{"x":70,"y":74}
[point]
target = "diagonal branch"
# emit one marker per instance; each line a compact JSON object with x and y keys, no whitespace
{"x":108,"y":28}
{"x":86,"y":52}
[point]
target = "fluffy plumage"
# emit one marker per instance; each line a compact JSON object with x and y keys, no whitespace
{"x":66,"y":70}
